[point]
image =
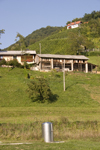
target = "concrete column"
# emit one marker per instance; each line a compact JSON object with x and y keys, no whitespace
{"x":52,"y":63}
{"x":72,"y":66}
{"x":40,"y":64}
{"x":86,"y":67}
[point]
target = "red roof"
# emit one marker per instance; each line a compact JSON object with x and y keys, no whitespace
{"x":73,"y":23}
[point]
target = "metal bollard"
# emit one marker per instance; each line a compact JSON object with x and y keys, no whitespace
{"x":47,"y":132}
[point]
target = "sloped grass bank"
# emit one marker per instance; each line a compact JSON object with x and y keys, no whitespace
{"x":79,"y":88}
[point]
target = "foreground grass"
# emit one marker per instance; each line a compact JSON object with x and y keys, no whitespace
{"x":69,"y":145}
{"x":24,"y":124}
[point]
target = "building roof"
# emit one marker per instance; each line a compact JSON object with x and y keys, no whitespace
{"x":73,"y":23}
{"x":62,"y":56}
{"x":17,"y":52}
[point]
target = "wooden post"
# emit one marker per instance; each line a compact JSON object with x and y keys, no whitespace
{"x":96,"y":69}
{"x":64,"y":75}
{"x":72,"y":66}
{"x":52,"y":63}
{"x":40,"y":47}
{"x":81,"y":67}
{"x":40,"y":64}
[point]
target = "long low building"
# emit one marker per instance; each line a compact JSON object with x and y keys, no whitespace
{"x":60,"y":62}
{"x":50,"y":61}
{"x":21,"y":56}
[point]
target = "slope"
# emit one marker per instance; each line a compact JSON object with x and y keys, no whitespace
{"x":81,"y":91}
{"x":64,"y":42}
{"x":34,"y":37}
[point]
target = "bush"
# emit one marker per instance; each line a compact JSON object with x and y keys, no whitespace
{"x":39,"y":90}
{"x":95,"y":53}
{"x":3,"y":62}
{"x":14,"y":63}
{"x":27,"y":66}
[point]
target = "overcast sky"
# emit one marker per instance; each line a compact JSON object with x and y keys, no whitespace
{"x":26,"y":16}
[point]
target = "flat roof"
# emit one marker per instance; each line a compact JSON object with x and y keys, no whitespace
{"x":17,"y":52}
{"x":62,"y":56}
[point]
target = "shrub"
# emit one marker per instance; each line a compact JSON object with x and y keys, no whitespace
{"x":3,"y":62}
{"x":27,"y":66}
{"x":39,"y":90}
{"x":95,"y":53}
{"x":14,"y":63}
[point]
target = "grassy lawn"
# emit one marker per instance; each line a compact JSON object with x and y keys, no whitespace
{"x":24,"y":124}
{"x":81,"y":88}
{"x":94,"y":59}
{"x":69,"y":145}
{"x":75,"y":113}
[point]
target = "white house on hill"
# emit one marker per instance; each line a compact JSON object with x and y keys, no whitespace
{"x":73,"y":25}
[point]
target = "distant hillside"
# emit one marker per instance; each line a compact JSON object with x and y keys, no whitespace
{"x":64,"y":42}
{"x":73,"y":41}
{"x":59,"y":40}
{"x":35,"y":36}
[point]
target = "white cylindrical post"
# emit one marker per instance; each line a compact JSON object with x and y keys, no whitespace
{"x":86,"y":67}
{"x":47,"y":132}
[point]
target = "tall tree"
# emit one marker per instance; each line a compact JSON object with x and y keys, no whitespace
{"x":1,"y":32}
{"x":21,"y":40}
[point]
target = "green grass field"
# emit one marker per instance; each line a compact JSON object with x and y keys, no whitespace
{"x":75,"y":113}
{"x":81,"y":88}
{"x":94,"y":60}
{"x":67,"y":145}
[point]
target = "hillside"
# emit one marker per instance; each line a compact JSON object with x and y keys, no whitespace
{"x":35,"y":36}
{"x":64,"y":42}
{"x":81,"y":91}
{"x":59,"y":40}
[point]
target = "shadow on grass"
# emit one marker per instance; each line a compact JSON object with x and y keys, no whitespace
{"x":71,"y":85}
{"x":53,"y":98}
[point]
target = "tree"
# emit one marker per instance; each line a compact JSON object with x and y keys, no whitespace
{"x":1,"y":32}
{"x":39,"y":90}
{"x":68,"y":22}
{"x":76,"y":19}
{"x":78,"y":42}
{"x":3,"y":62}
{"x":14,"y":63}
{"x":21,"y":40}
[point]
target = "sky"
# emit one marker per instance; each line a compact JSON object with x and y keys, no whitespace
{"x":26,"y":16}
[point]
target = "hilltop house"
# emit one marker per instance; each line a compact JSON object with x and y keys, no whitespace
{"x":74,"y":24}
{"x":21,"y":56}
{"x":68,"y":62}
